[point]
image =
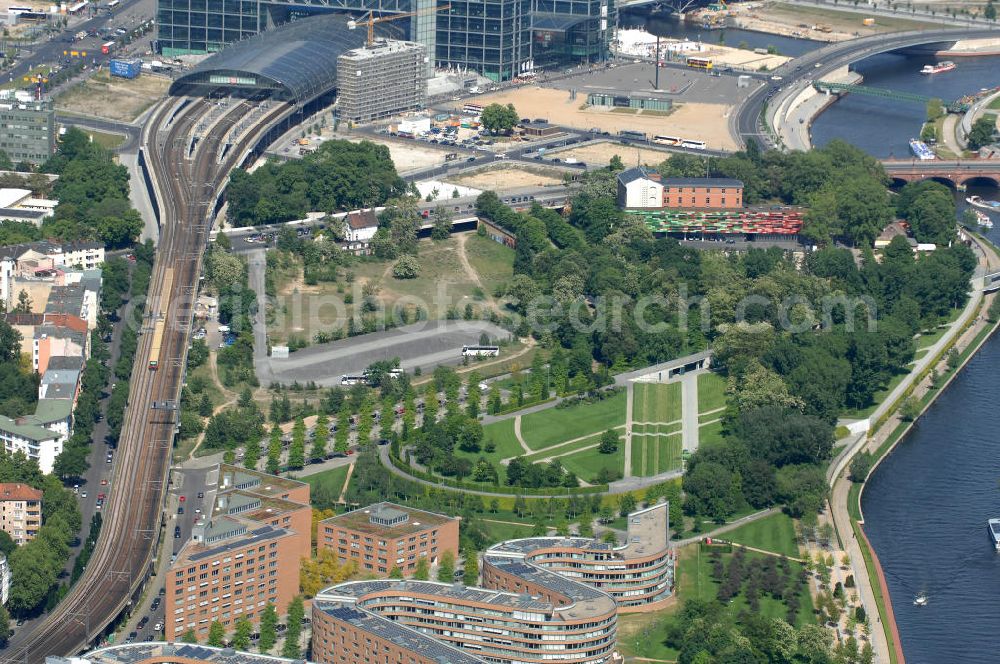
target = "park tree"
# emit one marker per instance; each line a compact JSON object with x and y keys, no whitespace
{"x":860,"y":466}
{"x":274,"y":450}
{"x":442,"y":223}
{"x":609,"y":442}
{"x":4,"y":627}
{"x":407,"y":267}
{"x":990,"y":11}
{"x":712,"y":490}
{"x":296,"y":612}
{"x":982,"y":132}
{"x":224,"y":270}
{"x":251,"y":453}
{"x":474,"y":395}
{"x":471,"y":569}
{"x":320,"y":435}
{"x":216,"y":634}
{"x":422,"y":570}
{"x":446,"y":567}
{"x":189,"y":637}
{"x":499,"y":119}
{"x":626,"y":504}
{"x":241,"y":636}
{"x":268,"y":628}
{"x":297,"y":450}
{"x":757,"y":386}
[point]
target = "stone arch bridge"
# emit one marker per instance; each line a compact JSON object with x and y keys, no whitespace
{"x":952,"y":173}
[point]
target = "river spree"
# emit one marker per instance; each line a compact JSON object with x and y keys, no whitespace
{"x":925,"y":511}
{"x":883,"y":126}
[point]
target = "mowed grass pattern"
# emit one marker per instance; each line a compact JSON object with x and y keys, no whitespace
{"x":556,"y":425}
{"x":655,"y":454}
{"x":656,"y":440}
{"x":711,"y":392}
{"x":656,"y":402}
{"x":774,"y":533}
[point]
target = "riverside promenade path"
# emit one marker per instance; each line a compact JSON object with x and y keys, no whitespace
{"x":838,"y":475}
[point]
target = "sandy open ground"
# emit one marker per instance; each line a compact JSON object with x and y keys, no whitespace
{"x":789,"y":20}
{"x":600,"y":154}
{"x":113,"y":98}
{"x":705,"y":122}
{"x":507,"y":176}
{"x":408,"y":155}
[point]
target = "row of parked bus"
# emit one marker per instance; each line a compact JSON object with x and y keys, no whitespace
{"x":672,"y":141}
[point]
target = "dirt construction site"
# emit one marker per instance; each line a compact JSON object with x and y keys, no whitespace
{"x":116,"y":98}
{"x":691,"y":120}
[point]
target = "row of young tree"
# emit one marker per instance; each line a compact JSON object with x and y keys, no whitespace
{"x":268,"y":632}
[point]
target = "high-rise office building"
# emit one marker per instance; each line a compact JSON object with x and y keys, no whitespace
{"x":499,"y":39}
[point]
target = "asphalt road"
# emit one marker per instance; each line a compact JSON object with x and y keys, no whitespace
{"x":50,"y":51}
{"x":424,"y":345}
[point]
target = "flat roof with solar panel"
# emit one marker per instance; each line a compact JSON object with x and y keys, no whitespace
{"x":139,"y":653}
{"x":398,"y":634}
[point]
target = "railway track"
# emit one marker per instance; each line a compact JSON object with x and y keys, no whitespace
{"x":189,"y":180}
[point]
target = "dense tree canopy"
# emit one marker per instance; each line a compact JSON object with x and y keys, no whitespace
{"x":339,"y":175}
{"x":92,"y":191}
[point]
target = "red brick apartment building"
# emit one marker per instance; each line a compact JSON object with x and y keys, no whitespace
{"x":702,"y":193}
{"x":242,"y":556}
{"x":384,"y":535}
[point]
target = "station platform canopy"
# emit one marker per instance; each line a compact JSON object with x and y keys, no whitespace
{"x":296,"y":62}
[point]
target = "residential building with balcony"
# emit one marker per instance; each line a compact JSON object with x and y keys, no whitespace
{"x":20,"y":511}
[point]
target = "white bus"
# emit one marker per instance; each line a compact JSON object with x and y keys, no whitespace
{"x":667,"y":140}
{"x":693,"y":145}
{"x":113,"y":4}
{"x":480,"y":351}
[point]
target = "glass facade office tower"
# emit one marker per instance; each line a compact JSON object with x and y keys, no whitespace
{"x":492,"y":37}
{"x":497,"y":38}
{"x":204,"y":26}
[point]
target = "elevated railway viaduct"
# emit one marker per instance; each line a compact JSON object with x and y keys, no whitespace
{"x":189,"y":147}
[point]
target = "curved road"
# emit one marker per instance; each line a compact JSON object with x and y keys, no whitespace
{"x":793,"y":76}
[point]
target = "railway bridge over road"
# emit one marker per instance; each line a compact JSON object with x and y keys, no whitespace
{"x":952,"y":173}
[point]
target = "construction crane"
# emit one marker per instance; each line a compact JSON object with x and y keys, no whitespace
{"x":372,"y":20}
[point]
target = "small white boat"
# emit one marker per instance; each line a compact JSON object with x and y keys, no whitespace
{"x":994,"y":530}
{"x":976,"y":201}
{"x":920,"y":600}
{"x":983,"y":220}
{"x":939,"y":68}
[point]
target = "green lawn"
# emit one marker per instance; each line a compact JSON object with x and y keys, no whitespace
{"x":994,"y":105}
{"x":105,"y":139}
{"x":655,"y":454}
{"x":565,"y":449}
{"x":710,"y":433}
{"x":502,"y":433}
{"x":656,"y":402}
{"x":555,"y":425}
{"x":331,"y":482}
{"x":773,"y":533}
{"x":927,"y":340}
{"x":642,"y":635}
{"x":711,"y":392}
{"x":695,"y":577}
{"x":493,"y":261}
{"x":500,"y":532}
{"x":588,"y":463}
